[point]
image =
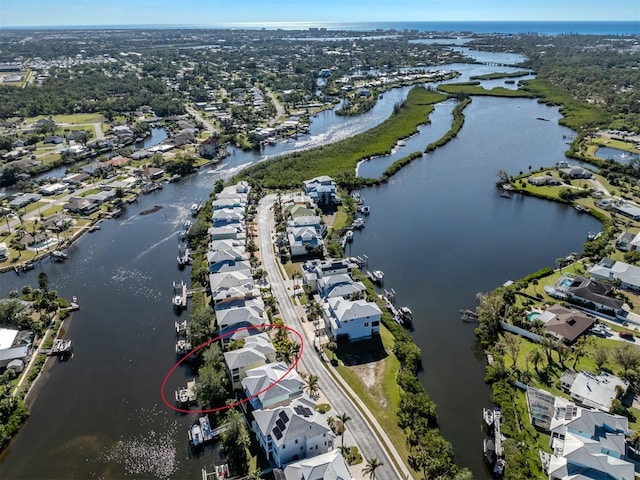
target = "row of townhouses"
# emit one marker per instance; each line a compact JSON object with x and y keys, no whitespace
{"x":295,"y":437}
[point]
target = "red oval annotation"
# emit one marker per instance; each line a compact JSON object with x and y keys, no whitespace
{"x":239,"y":402}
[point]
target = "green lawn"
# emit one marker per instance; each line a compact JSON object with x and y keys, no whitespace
{"x":77,"y":118}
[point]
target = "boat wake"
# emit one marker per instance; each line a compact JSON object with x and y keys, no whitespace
{"x":158,"y":243}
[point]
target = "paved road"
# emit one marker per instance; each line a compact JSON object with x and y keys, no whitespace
{"x":200,"y":118}
{"x":278,"y":105}
{"x":367,"y":433}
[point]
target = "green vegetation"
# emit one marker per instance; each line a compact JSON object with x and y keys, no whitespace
{"x":456,"y":125}
{"x":340,"y":159}
{"x":576,"y":115}
{"x":474,"y":88}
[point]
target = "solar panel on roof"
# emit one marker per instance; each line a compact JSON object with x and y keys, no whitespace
{"x":307,"y":412}
{"x":283,"y":416}
{"x":297,"y":409}
{"x":277,"y":433}
{"x":280,"y":424}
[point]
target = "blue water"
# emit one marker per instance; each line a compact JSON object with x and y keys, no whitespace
{"x":504,"y":27}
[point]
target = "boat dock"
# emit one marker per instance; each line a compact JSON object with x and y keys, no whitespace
{"x":201,"y":432}
{"x":492,"y":445}
{"x":221,"y":471}
{"x":468,"y":315}
{"x":186,"y":396}
{"x":61,"y":348}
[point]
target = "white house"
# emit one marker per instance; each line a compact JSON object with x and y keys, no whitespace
{"x":229,"y":232}
{"x":356,"y":320}
{"x":257,"y":351}
{"x":228,"y":217}
{"x":594,"y":391}
{"x":292,"y":432}
{"x":303,"y":239}
{"x":242,"y":311}
{"x":612,"y":270}
{"x":590,"y":446}
{"x":271,"y":384}
{"x":313,"y":270}
{"x":328,"y":466}
{"x":219,"y":258}
{"x":341,"y":285}
{"x":322,"y":190}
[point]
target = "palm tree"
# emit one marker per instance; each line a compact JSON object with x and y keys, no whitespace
{"x":344,"y":418}
{"x":535,"y":357}
{"x":372,"y":465}
{"x":312,"y":385}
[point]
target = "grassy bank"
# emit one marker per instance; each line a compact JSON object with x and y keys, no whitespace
{"x":474,"y":88}
{"x":577,"y":115}
{"x":456,"y":126}
{"x":339,"y":159}
{"x":498,"y":75}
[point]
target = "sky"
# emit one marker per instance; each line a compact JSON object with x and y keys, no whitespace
{"x":16,"y":13}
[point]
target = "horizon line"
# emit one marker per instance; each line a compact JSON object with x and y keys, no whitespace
{"x":305,"y":23}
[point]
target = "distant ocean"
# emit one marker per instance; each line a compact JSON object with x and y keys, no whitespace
{"x":501,"y":27}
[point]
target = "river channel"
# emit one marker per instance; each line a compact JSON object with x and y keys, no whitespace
{"x":438,"y":230}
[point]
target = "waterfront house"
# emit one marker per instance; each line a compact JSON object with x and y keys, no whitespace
{"x":249,"y":310}
{"x":81,"y":206}
{"x":548,"y":411}
{"x":575,"y":171}
{"x":152,"y":173}
{"x":322,"y":190}
{"x":591,"y":446}
{"x":256,"y":352}
{"x":4,"y":251}
{"x":627,"y":209}
{"x":228,"y":232}
{"x":217,"y":259}
{"x":313,"y":270}
{"x":594,"y":391}
{"x":565,"y":324}
{"x":15,"y":345}
{"x":341,"y":285}
{"x":611,"y":270}
{"x":625,"y":241}
{"x":304,"y":240}
{"x":328,"y":466}
{"x":308,"y":221}
{"x":590,"y":294}
{"x":102,"y":196}
{"x":229,"y":202}
{"x":232,"y":286}
{"x":351,"y":319}
{"x":271,"y":384}
{"x":544,"y":180}
{"x":75,"y":178}
{"x":292,"y":432}
{"x":228,"y":217}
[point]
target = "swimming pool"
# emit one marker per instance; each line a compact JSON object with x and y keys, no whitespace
{"x":532,"y":316}
{"x":564,"y":282}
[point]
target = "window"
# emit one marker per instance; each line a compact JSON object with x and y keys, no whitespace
{"x":296,"y":440}
{"x":366,"y":324}
{"x":375,"y":324}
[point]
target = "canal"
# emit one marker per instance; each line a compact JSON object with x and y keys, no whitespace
{"x":438,"y":230}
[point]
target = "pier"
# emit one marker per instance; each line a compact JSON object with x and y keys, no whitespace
{"x":61,"y":348}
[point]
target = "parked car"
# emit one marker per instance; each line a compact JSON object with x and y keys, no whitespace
{"x":626,"y":335}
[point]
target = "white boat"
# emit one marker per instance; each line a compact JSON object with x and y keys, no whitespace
{"x":349,"y":235}
{"x":182,"y":347}
{"x":195,"y":208}
{"x":487,"y":415}
{"x":195,"y":434}
{"x":59,"y":255}
{"x":177,"y":302}
{"x":377,"y":277}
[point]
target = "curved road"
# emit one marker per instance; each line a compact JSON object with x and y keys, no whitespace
{"x":363,"y":427}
